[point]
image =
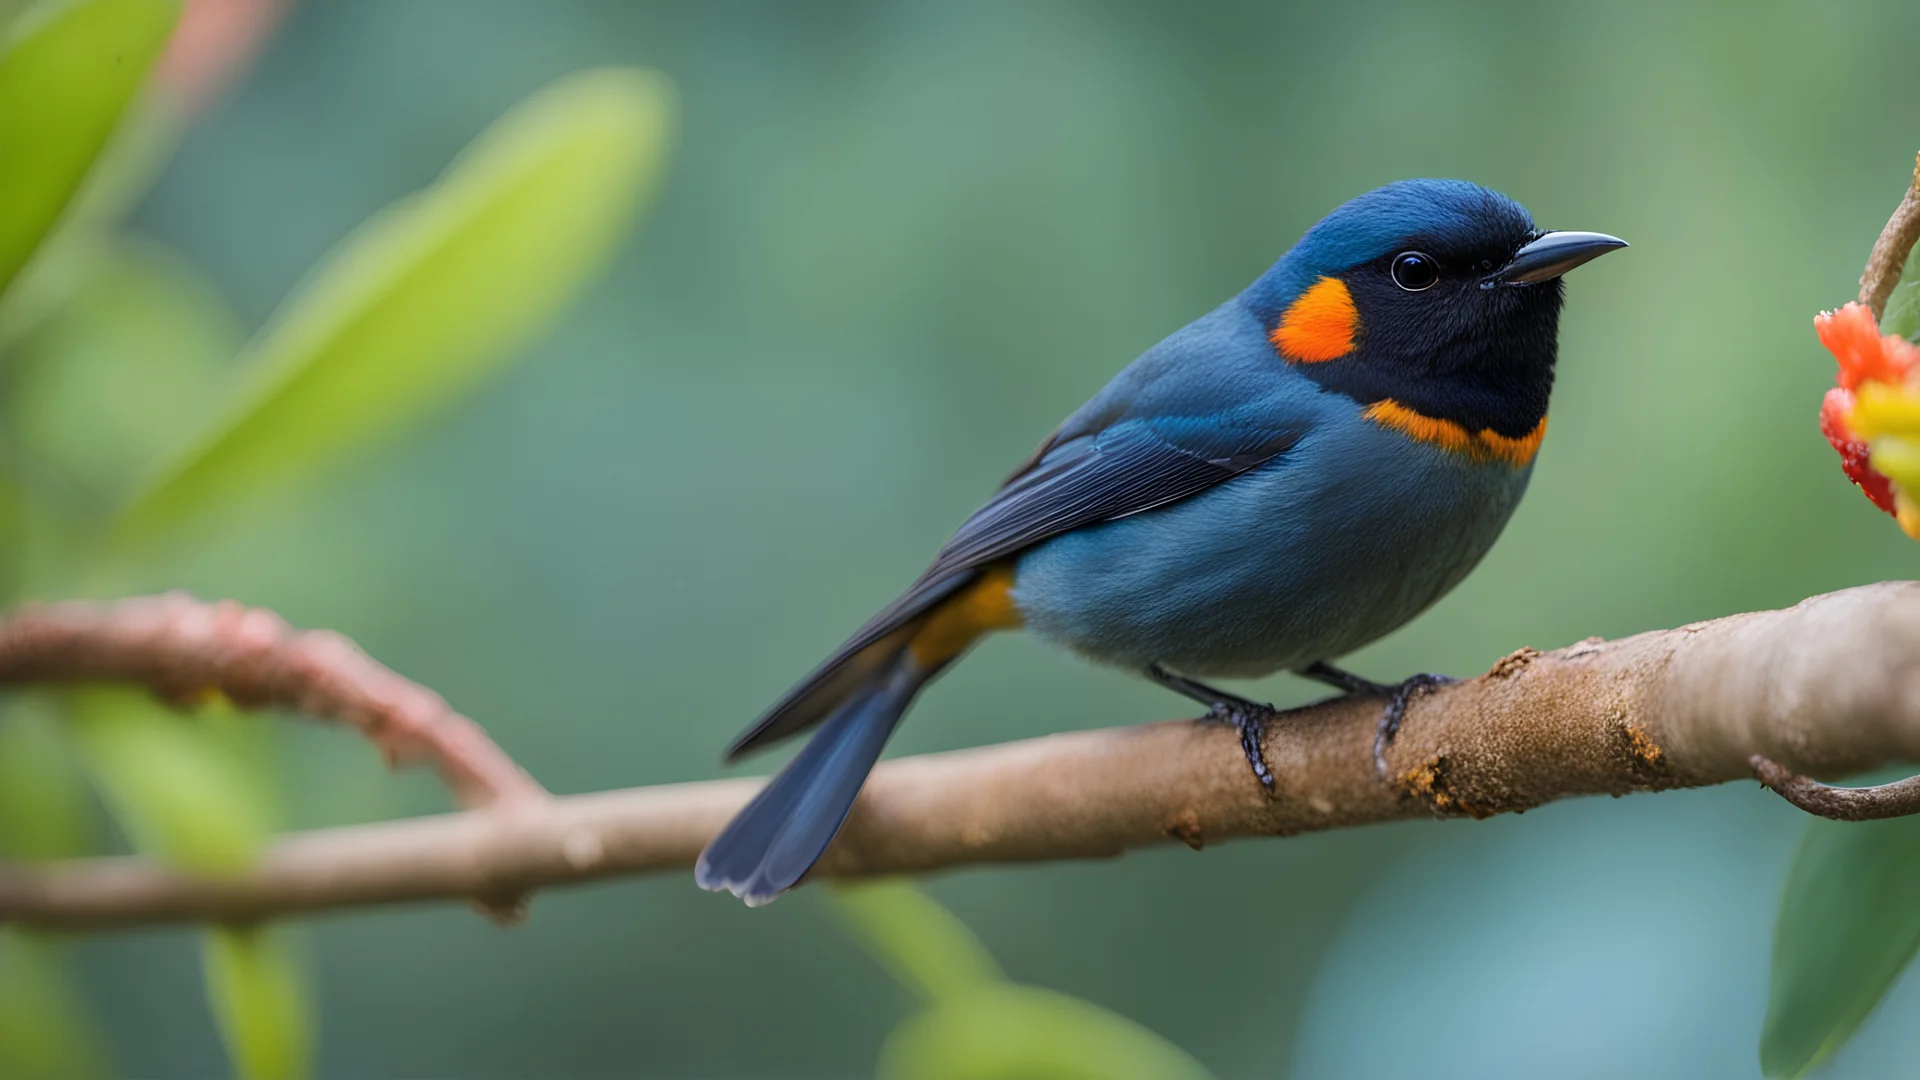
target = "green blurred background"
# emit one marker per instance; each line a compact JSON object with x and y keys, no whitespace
{"x":895,"y":244}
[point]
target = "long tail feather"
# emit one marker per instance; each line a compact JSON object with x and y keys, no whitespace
{"x":769,"y":845}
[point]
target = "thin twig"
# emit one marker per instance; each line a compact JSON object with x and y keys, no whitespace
{"x":183,"y":649}
{"x":1830,"y":687}
{"x":1898,"y":799}
{"x":1890,"y":252}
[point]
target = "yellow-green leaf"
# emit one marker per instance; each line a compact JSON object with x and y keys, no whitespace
{"x":194,"y":791}
{"x":434,"y":292}
{"x":43,"y":799}
{"x":1849,"y":923}
{"x":67,"y":73}
{"x":125,"y":169}
{"x":979,"y":1025}
{"x":44,"y":1030}
{"x":259,"y":999}
{"x":920,"y":943}
{"x":123,"y":372}
{"x":1008,"y":1031}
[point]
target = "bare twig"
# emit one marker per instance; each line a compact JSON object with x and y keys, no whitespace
{"x":1829,"y":687}
{"x":182,"y":649}
{"x":1898,"y":799}
{"x":1889,"y":256}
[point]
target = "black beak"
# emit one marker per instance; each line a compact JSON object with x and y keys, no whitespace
{"x":1551,"y":255}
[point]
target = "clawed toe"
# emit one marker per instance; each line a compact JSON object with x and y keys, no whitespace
{"x":1247,"y":717}
{"x":1250,"y":720}
{"x":1401,"y":696}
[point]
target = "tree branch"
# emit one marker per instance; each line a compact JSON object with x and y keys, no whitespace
{"x":184,"y":649}
{"x":1898,"y":799}
{"x":1829,"y":687}
{"x":1889,"y":256}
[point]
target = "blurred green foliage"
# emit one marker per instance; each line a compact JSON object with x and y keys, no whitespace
{"x":1850,"y":919}
{"x":139,"y":318}
{"x":919,"y":942}
{"x":67,"y":72}
{"x":431,"y":294}
{"x":261,"y":1001}
{"x":1903,"y":307}
{"x":976,"y":1025}
{"x":898,"y":243}
{"x":1849,"y":924}
{"x":118,"y":357}
{"x":44,"y":1033}
{"x":43,"y":803}
{"x":193,"y":789}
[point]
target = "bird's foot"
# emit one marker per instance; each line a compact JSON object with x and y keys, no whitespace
{"x":1250,"y":720}
{"x":1398,"y":699}
{"x":1399,"y":695}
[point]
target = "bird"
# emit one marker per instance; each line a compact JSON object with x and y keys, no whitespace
{"x":1289,"y":477}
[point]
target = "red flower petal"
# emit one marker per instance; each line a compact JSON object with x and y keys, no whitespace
{"x":1853,"y":451}
{"x":1854,"y":339}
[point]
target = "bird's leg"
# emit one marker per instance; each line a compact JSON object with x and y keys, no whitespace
{"x":1399,"y":696}
{"x":1249,"y":718}
{"x":1344,"y":681}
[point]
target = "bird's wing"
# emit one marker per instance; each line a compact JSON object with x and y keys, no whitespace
{"x":1133,"y":466}
{"x":1130,"y":466}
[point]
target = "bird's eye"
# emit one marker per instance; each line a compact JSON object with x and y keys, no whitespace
{"x":1414,"y":271}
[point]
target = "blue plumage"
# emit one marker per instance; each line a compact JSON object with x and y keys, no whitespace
{"x":1353,"y":532}
{"x":1284,"y":480}
{"x":1451,"y":214}
{"x":784,"y":829}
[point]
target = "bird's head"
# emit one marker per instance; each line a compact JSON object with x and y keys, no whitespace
{"x":1435,"y":304}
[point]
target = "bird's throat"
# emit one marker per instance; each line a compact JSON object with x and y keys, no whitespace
{"x":1485,"y":445}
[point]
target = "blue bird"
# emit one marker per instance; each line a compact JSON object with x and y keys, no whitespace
{"x":1291,"y":476}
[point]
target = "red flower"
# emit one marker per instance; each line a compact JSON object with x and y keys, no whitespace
{"x":1834,"y":409}
{"x":1865,"y":356}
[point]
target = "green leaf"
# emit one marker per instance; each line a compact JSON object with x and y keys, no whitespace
{"x":194,"y":791}
{"x":123,"y":373}
{"x":1024,"y":1031}
{"x":1849,"y":923}
{"x":920,"y":943}
{"x":979,"y":1025}
{"x":67,"y":73}
{"x":43,"y":798}
{"x":1903,"y":307}
{"x":127,"y":167}
{"x":260,"y":1000}
{"x":44,"y":1031}
{"x":433,"y":293}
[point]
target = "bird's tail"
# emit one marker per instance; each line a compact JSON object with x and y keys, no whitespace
{"x":766,"y":848}
{"x":856,"y":698}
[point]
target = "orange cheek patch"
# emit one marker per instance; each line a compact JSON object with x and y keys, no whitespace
{"x":1483,"y":445}
{"x":1320,"y":325}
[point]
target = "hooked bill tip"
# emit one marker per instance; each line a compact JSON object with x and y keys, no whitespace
{"x":1551,"y":255}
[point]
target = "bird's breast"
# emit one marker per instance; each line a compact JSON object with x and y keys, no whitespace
{"x":1353,"y":532}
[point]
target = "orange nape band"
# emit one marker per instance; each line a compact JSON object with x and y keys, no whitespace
{"x":1483,"y":445}
{"x":965,"y":617}
{"x":1320,"y":325}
